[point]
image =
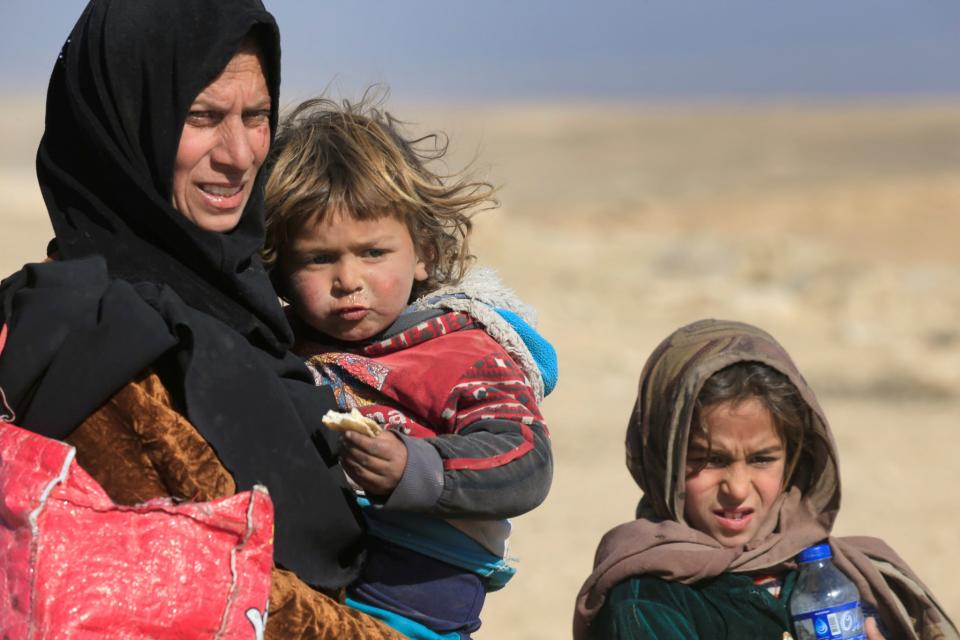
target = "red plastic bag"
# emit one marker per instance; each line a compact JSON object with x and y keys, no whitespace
{"x":75,"y":565}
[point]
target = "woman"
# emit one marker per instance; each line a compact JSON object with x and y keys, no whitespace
{"x":152,"y":340}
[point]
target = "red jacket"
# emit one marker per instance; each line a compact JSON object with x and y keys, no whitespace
{"x":477,"y":443}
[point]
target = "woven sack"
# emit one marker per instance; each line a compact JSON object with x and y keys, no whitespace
{"x":75,"y":565}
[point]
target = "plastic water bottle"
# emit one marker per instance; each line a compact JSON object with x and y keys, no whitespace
{"x":825,"y":605}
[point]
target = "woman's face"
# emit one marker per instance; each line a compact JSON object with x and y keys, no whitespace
{"x":731,"y":487}
{"x":225,"y":139}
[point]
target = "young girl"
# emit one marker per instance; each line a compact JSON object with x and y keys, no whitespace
{"x":739,"y":473}
{"x":370,"y":249}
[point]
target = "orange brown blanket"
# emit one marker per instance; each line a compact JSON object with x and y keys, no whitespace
{"x":139,"y":447}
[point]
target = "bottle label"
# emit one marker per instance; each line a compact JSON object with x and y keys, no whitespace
{"x":842,"y":622}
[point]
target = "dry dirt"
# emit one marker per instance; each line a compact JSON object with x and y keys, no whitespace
{"x":834,"y":227}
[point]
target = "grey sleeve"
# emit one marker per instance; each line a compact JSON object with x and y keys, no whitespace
{"x":422,"y":481}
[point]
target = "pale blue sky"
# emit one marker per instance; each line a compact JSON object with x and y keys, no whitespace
{"x":451,"y":50}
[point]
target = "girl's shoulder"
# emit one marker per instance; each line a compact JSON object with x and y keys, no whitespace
{"x":727,"y":606}
{"x":649,"y":587}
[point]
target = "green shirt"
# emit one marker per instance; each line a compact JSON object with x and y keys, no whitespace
{"x":728,"y":607}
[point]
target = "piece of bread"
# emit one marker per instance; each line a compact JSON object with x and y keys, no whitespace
{"x":353,"y":421}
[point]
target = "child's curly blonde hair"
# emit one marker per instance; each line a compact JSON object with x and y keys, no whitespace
{"x":353,"y":158}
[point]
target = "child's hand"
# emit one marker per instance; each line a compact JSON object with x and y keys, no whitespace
{"x":376,"y":464}
{"x":873,"y":633}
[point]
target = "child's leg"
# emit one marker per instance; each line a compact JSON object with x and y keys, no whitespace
{"x":439,"y":596}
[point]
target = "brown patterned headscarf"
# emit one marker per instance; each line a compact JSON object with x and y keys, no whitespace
{"x":660,"y":543}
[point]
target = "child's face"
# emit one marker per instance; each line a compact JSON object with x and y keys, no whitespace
{"x":350,"y":278}
{"x":741,"y":477}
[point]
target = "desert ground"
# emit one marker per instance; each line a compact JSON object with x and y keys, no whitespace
{"x":835,"y":227}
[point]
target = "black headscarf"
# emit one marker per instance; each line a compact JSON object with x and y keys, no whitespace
{"x":116,"y":105}
{"x":139,"y":286}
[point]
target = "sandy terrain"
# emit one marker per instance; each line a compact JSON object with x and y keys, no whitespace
{"x":835,"y":228}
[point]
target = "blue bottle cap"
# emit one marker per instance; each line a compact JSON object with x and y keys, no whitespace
{"x":816,"y":552}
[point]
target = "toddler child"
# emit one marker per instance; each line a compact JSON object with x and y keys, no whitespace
{"x":739,"y":474}
{"x":369,"y":247}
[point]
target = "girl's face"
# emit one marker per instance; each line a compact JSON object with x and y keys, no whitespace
{"x":741,"y":476}
{"x":351,"y":278}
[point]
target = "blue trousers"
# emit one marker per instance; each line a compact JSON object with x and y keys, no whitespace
{"x":440,"y":596}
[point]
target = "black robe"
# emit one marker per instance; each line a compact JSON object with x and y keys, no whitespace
{"x":138,"y":286}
